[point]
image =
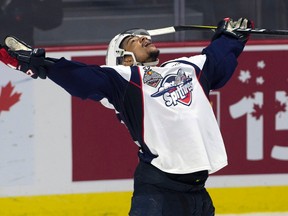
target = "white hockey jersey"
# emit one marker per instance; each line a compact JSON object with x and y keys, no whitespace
{"x":166,"y":109}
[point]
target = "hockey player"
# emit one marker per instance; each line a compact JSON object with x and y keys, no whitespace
{"x":165,"y":108}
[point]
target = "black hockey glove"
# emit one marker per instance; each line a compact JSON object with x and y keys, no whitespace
{"x":227,"y":26}
{"x":28,"y":60}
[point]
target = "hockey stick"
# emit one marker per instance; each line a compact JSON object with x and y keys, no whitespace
{"x":173,"y":29}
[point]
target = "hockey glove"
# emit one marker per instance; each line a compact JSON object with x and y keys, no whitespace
{"x":26,"y":59}
{"x":228,"y":27}
{"x":6,"y":58}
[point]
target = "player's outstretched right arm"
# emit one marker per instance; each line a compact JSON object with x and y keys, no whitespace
{"x":78,"y":79}
{"x":20,"y":56}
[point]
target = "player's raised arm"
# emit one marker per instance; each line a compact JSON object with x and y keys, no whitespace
{"x":226,"y":46}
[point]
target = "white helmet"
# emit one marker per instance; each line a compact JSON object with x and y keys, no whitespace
{"x":115,"y":54}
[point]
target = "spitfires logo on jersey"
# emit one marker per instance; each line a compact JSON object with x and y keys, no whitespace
{"x":176,"y":89}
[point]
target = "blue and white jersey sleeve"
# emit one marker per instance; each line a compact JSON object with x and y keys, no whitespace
{"x":221,"y":60}
{"x":91,"y":81}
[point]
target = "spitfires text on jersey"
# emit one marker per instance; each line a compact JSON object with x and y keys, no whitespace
{"x":176,"y":89}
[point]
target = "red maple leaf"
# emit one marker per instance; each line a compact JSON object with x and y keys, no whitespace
{"x":7,"y":97}
{"x":258,"y":111}
{"x":279,"y":107}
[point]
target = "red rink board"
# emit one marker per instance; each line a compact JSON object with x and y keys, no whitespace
{"x":252,"y":110}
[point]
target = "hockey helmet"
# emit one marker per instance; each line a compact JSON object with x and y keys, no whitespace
{"x":115,"y":54}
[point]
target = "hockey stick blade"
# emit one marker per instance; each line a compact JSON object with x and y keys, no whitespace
{"x":173,"y":29}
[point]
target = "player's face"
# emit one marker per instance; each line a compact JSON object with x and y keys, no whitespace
{"x":144,"y":51}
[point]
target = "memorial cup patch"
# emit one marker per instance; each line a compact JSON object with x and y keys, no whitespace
{"x":151,"y":78}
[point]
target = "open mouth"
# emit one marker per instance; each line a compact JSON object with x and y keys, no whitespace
{"x":146,"y":44}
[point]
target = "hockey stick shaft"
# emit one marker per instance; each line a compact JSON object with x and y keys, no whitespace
{"x":173,"y":29}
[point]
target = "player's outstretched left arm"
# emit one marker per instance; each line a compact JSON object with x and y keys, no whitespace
{"x":20,"y":56}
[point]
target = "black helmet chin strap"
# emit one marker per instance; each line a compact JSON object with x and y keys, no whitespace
{"x":154,"y":63}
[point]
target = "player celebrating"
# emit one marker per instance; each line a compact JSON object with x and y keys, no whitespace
{"x":166,"y":110}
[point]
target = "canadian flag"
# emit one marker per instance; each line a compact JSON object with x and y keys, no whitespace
{"x":16,"y":127}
